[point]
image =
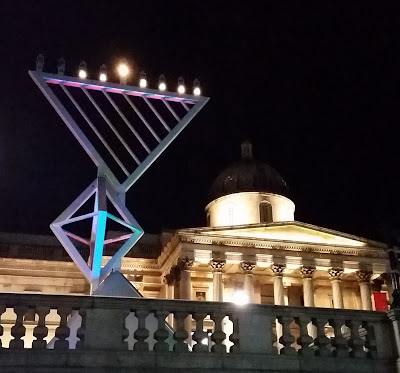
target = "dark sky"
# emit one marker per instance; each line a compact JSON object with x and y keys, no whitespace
{"x":314,"y":87}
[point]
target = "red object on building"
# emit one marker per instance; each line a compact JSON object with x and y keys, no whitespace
{"x":380,"y":301}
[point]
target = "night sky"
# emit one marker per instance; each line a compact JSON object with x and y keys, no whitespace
{"x":314,"y":86}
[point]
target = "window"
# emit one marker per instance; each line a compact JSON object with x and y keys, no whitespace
{"x":208,"y":219}
{"x":265,"y":212}
{"x":201,"y":296}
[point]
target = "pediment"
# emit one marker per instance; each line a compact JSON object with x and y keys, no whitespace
{"x":295,"y":232}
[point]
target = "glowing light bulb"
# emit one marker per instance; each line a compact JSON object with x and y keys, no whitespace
{"x":123,"y":71}
{"x":240,"y":298}
{"x":82,"y":74}
{"x":196,"y":87}
{"x":82,"y":70}
{"x":142,"y":79}
{"x":181,"y":86}
{"x":103,"y":73}
{"x":162,"y":85}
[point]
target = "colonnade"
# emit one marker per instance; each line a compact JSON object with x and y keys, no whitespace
{"x":335,"y":276}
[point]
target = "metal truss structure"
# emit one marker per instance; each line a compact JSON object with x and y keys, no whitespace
{"x":108,"y":186}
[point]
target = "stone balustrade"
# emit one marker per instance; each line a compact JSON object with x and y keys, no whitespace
{"x":115,"y":333}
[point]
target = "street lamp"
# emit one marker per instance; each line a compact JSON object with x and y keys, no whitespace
{"x":240,"y":297}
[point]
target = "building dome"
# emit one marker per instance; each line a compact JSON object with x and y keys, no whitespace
{"x":248,"y":175}
{"x":248,"y":192}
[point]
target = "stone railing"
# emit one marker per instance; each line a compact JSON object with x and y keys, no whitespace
{"x":80,"y":332}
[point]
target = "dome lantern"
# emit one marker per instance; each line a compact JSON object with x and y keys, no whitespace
{"x":247,"y":149}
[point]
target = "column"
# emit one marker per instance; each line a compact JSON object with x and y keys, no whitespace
{"x":364,"y":279}
{"x":335,"y":275}
{"x":217,"y":266}
{"x":185,"y":291}
{"x":185,"y":286}
{"x":308,"y":289}
{"x":277,"y":270}
{"x":248,"y":286}
{"x":169,"y":281}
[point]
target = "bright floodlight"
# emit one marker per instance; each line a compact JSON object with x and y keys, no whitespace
{"x":162,"y":85}
{"x":103,"y":73}
{"x":196,"y":87}
{"x":82,"y":70}
{"x":181,"y":86}
{"x":240,"y":297}
{"x":142,"y":79}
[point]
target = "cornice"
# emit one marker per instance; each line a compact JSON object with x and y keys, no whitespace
{"x":305,"y":247}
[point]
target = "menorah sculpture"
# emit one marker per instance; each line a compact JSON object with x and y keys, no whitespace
{"x":170,"y":114}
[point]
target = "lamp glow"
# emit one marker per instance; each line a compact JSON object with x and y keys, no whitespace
{"x":162,"y":85}
{"x":181,"y":86}
{"x":103,"y":73}
{"x":82,"y":70}
{"x":196,"y":87}
{"x":240,"y":297}
{"x":123,"y":72}
{"x":143,"y":80}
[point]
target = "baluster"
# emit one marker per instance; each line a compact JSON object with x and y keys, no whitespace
{"x":80,"y":333}
{"x":338,"y":342}
{"x":304,"y":340}
{"x":125,"y":330}
{"x":2,"y":310}
{"x":141,"y":333}
{"x":234,"y":337}
{"x":218,"y":336}
{"x":161,"y":334}
{"x":370,"y":341}
{"x":180,"y":334}
{"x":321,"y":341}
{"x":18,"y":330}
{"x":287,"y":338}
{"x":62,"y":332}
{"x":355,"y":342}
{"x":199,"y":335}
{"x":41,"y":330}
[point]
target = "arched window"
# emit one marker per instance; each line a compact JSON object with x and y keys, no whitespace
{"x":265,"y":212}
{"x":208,"y":220}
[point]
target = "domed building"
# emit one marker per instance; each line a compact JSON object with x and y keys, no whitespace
{"x":252,"y":250}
